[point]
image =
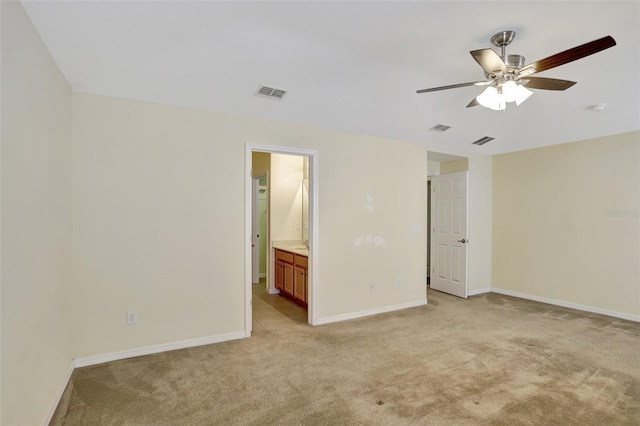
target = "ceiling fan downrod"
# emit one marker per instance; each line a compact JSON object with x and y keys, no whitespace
{"x":502,"y":40}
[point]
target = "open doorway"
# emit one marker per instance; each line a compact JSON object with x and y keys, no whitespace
{"x":283,"y":227}
{"x":448,"y":224}
{"x":281,"y":301}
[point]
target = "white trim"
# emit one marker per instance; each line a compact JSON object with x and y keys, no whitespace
{"x":466,"y":246}
{"x":248,"y":289}
{"x":479,"y":291}
{"x":58,"y":396}
{"x":313,"y":237}
{"x":586,"y":308}
{"x":274,"y":291}
{"x":279,"y":149}
{"x":369,"y":312}
{"x":154,"y":349}
{"x":263,"y":275}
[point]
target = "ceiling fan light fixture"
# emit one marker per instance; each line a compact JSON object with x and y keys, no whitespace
{"x":503,"y":73}
{"x":515,"y":92}
{"x":509,"y":89}
{"x":491,"y":98}
{"x":496,"y":98}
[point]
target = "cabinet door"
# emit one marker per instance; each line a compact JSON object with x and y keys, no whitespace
{"x":288,"y":279}
{"x":300,"y":284}
{"x":279,"y":272}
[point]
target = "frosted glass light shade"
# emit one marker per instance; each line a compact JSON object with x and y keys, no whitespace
{"x":522,"y":93}
{"x":497,"y":99}
{"x":514,"y":92}
{"x":509,"y":90}
{"x":490,"y":98}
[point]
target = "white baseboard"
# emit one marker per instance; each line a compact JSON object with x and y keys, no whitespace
{"x":130,"y":353}
{"x":274,"y":291}
{"x":58,"y":395}
{"x":263,"y":275}
{"x":148,"y":350}
{"x":369,"y":312}
{"x":586,"y":308}
{"x":479,"y":291}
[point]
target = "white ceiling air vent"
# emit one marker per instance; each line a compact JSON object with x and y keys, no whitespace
{"x":483,"y":140}
{"x":439,"y":128}
{"x":270,"y":93}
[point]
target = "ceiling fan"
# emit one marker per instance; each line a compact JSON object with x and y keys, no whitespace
{"x":508,"y":78}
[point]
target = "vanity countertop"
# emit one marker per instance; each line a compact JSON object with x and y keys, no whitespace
{"x":296,"y":247}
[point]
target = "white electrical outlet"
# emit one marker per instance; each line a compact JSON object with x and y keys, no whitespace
{"x":132,"y":317}
{"x":371,"y":288}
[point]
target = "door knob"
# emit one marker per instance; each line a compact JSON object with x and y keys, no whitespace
{"x":462,"y":241}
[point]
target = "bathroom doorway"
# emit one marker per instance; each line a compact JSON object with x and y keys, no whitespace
{"x":306,"y":228}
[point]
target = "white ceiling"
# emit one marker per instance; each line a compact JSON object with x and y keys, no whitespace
{"x":354,"y":66}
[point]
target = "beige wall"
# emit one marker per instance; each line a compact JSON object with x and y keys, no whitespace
{"x":159,"y":221}
{"x":260,"y":163}
{"x":36,"y":226}
{"x":286,"y":197}
{"x":566,"y":223}
{"x":454,"y":166}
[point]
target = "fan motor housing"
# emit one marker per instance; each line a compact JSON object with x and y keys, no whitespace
{"x":514,"y":61}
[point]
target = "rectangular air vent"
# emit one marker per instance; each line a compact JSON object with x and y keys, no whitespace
{"x":270,"y":93}
{"x":439,"y":128}
{"x":483,"y":140}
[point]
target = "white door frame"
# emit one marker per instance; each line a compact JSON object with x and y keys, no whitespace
{"x":313,"y":227}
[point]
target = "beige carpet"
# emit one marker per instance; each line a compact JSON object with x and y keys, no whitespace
{"x":488,"y":360}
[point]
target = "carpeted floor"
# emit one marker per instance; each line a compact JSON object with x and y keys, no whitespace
{"x":488,"y":360}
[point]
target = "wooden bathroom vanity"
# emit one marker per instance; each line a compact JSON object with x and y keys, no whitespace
{"x":291,"y":275}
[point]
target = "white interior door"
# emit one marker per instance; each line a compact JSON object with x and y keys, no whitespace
{"x":449,"y":233}
{"x":255,"y":229}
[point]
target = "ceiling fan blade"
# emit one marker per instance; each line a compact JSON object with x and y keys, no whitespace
{"x":489,"y":60}
{"x":569,"y":55}
{"x":473,"y":103}
{"x":546,"y":83}
{"x":454,"y":86}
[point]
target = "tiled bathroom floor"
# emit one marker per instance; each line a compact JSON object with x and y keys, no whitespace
{"x":272,"y":311}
